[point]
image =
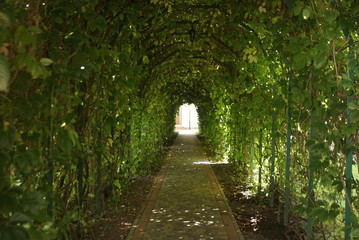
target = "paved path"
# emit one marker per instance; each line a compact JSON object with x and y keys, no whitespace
{"x":186,"y":201}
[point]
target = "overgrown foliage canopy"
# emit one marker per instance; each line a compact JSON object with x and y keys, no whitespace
{"x":90,"y":89}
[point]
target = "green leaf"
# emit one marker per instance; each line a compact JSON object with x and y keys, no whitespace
{"x":19,"y":218}
{"x":34,"y":30}
{"x":4,"y":73}
{"x":252,"y":59}
{"x":73,"y":136}
{"x":315,"y":164}
{"x":298,"y":8}
{"x":117,"y":184}
{"x":320,"y":60}
{"x":23,"y":36}
{"x":353,"y":105}
{"x":46,"y":61}
{"x":306,"y":13}
{"x":4,"y":20}
{"x":355,"y":232}
{"x":346,"y":83}
{"x":354,"y":116}
{"x":32,"y":65}
{"x":300,"y":60}
{"x":320,"y":213}
{"x":37,"y":70}
{"x":145,"y":60}
{"x":331,"y":16}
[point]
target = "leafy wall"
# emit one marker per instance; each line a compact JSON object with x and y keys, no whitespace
{"x":89,"y":92}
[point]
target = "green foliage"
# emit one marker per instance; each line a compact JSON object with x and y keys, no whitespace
{"x":89,"y":104}
{"x":64,"y":80}
{"x":4,"y":73}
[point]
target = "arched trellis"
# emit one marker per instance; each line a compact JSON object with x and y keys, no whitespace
{"x":100,"y":81}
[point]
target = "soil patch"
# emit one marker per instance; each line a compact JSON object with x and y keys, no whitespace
{"x":255,"y":218}
{"x":119,"y":217}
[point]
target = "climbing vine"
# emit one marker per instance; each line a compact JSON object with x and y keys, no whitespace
{"x":90,"y":89}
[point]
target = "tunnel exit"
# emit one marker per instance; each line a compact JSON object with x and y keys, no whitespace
{"x":187,"y":117}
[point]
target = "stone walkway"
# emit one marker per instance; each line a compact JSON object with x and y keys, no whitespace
{"x":186,"y":201}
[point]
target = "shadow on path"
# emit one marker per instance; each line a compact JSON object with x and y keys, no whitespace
{"x":186,"y":201}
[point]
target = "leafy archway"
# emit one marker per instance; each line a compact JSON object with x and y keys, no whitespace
{"x":89,"y":92}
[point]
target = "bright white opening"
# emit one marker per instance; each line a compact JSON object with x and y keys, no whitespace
{"x":187,"y":117}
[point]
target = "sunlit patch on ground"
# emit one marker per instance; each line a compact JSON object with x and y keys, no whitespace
{"x":187,"y":131}
{"x":209,"y":162}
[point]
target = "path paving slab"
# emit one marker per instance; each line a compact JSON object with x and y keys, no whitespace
{"x":186,"y":201}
